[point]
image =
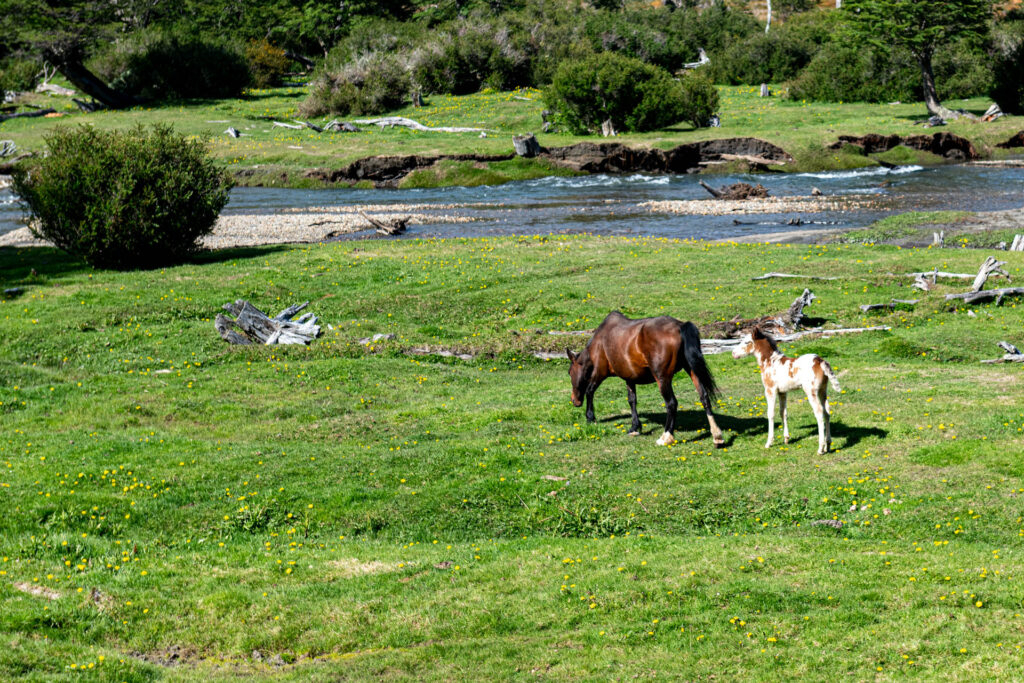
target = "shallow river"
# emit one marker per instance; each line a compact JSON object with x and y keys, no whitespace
{"x":604,"y":204}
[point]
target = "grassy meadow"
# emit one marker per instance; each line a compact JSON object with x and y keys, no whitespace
{"x":177,"y":509}
{"x":279,"y":156}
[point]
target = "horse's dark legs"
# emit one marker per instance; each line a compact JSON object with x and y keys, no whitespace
{"x":716,"y":433}
{"x":670,"y":410}
{"x":631,"y":394}
{"x":591,"y":388}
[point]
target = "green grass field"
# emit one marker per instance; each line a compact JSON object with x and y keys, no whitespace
{"x":805,"y":129}
{"x":175,"y":509}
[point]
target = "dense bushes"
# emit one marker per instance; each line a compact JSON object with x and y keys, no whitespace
{"x":123,"y":199}
{"x":1008,"y":70}
{"x":173,"y":66}
{"x":700,"y":99}
{"x":18,"y":75}
{"x":633,"y":95}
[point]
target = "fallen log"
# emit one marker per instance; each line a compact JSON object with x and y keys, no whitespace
{"x":891,"y":305}
{"x":311,"y":126}
{"x":401,"y":121}
{"x":292,"y":126}
{"x":984,"y":295}
{"x":769,"y":276}
{"x":258,"y":328}
{"x":7,"y":148}
{"x":1018,"y":243}
{"x":713,"y":346}
{"x":394,"y":226}
{"x":702,"y":59}
{"x":26,"y":114}
{"x":1012,"y":355}
{"x":341,"y":127}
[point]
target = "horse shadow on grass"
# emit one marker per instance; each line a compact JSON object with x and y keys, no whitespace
{"x":733,"y":427}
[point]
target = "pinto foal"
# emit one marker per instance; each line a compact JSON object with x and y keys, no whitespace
{"x":781,"y":374}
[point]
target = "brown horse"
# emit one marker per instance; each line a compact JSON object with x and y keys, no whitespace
{"x":641,"y":352}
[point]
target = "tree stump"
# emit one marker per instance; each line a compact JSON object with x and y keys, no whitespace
{"x":526,"y":145}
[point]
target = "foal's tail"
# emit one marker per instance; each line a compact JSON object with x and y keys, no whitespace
{"x":695,"y":359}
{"x":833,"y":379}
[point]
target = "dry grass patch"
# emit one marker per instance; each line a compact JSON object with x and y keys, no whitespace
{"x":42,"y":591}
{"x":352,"y":567}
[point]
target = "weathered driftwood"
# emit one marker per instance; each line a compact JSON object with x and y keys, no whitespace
{"x":341,"y":127}
{"x":1012,"y":355}
{"x":258,"y":328}
{"x":989,"y":267}
{"x":939,"y":239}
{"x":392,"y":121}
{"x":713,"y":346}
{"x":233,"y":132}
{"x":736,"y":191}
{"x":776,"y":324}
{"x":890,"y":306}
{"x":1018,"y":243}
{"x":526,"y":145}
{"x":53,"y":89}
{"x":26,"y":114}
{"x":702,"y":59}
{"x":769,"y":276}
{"x":292,"y":126}
{"x":393,"y":226}
{"x":7,"y":148}
{"x":984,"y":295}
{"x":608,"y":129}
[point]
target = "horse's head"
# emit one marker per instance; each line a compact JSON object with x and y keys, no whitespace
{"x":580,"y":369}
{"x":744,"y":348}
{"x":749,"y":344}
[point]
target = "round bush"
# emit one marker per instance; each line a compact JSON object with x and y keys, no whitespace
{"x":700,"y":99}
{"x":370,"y":84}
{"x":123,"y":199}
{"x":633,"y":95}
{"x":267,"y":64}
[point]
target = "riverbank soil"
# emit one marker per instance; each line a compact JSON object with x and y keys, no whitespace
{"x":178,"y":508}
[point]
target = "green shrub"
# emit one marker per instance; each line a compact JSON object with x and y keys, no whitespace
{"x":700,"y":99}
{"x":839,"y":73}
{"x":123,"y":199}
{"x":1007,"y":87}
{"x":370,"y":84}
{"x":633,"y":95}
{"x":18,"y":75}
{"x":267,"y":64}
{"x":173,"y":66}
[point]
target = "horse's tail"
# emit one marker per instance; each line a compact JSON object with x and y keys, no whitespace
{"x":695,"y":359}
{"x":833,"y":379}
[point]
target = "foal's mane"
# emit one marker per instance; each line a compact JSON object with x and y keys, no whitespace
{"x":758,"y":333}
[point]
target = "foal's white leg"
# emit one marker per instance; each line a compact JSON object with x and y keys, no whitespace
{"x":827,"y":417}
{"x":819,"y":410}
{"x":785,"y":421}
{"x":769,"y":396}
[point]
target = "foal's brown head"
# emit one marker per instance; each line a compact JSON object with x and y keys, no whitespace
{"x":580,"y":369}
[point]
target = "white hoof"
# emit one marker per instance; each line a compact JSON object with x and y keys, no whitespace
{"x":666,"y":439}
{"x":634,"y":434}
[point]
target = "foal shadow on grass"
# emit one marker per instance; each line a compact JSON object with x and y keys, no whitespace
{"x":733,"y":427}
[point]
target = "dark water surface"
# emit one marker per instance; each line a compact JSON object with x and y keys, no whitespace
{"x":609,"y":205}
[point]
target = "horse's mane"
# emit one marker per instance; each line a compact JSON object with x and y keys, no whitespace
{"x":758,"y":333}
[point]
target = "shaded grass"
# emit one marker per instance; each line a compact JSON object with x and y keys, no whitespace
{"x":348,"y":511}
